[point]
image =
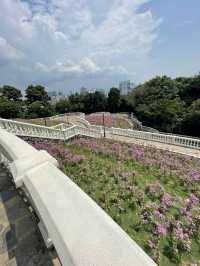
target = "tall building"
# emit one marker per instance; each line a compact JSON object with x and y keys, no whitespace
{"x":83,"y":90}
{"x":126,"y":86}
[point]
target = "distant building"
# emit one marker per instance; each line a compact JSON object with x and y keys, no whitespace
{"x":83,"y":90}
{"x":52,"y":93}
{"x":126,"y":86}
{"x":56,"y":97}
{"x":91,"y":90}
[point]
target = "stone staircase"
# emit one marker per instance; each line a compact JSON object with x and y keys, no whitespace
{"x":20,"y":241}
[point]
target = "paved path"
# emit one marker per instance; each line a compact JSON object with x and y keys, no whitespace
{"x":20,"y":242}
{"x":158,"y":145}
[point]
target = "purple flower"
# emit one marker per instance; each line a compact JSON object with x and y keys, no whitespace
{"x":166,"y":201}
{"x":161,"y":229}
{"x":137,"y":153}
{"x":158,"y":214}
{"x":179,"y":233}
{"x":194,"y":175}
{"x":194,"y":200}
{"x":183,"y":211}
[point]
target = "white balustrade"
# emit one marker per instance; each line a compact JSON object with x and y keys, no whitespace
{"x":81,"y":232}
{"x":168,"y":139}
{"x":25,"y":129}
{"x":63,"y":132}
{"x":88,"y":132}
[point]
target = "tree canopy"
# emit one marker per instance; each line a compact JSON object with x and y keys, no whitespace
{"x":36,"y":93}
{"x":11,"y":93}
{"x":169,"y":105}
{"x":114,"y":100}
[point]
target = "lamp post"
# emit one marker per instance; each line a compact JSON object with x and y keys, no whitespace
{"x":104,"y":129}
{"x":45,"y":121}
{"x":66,"y":115}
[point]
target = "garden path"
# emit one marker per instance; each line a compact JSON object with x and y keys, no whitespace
{"x":20,"y":242}
{"x":158,"y":145}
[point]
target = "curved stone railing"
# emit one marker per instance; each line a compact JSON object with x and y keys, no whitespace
{"x":157,"y":137}
{"x":24,"y":129}
{"x":81,"y":232}
{"x":31,"y":130}
{"x":88,"y":132}
{"x":63,"y":126}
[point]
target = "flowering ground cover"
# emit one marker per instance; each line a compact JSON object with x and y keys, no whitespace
{"x":152,"y":194}
{"x":109,"y":121}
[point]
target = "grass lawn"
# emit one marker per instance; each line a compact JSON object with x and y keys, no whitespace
{"x":152,"y":194}
{"x":41,"y":122}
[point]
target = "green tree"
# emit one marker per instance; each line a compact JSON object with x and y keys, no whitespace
{"x":125,"y":104}
{"x":94,"y":102}
{"x":9,"y":109}
{"x":11,"y":93}
{"x":191,"y":124}
{"x":114,"y":100}
{"x":63,"y":106}
{"x":76,"y":103}
{"x":155,"y":89}
{"x":39,"y":109}
{"x":36,"y":93}
{"x":189,"y":88}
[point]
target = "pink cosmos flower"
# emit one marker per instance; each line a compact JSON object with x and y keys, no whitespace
{"x":161,"y":230}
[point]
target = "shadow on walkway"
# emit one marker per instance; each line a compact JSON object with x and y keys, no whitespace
{"x":21,"y":243}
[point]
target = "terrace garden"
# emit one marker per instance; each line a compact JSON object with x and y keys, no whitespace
{"x":40,"y":121}
{"x":108,"y":121}
{"x":152,"y":194}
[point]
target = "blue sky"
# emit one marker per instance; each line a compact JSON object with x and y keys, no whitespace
{"x":66,"y":44}
{"x":176,"y":50}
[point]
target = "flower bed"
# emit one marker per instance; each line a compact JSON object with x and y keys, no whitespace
{"x":153,"y":194}
{"x":109,"y":121}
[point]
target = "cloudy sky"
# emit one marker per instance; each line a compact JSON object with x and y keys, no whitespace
{"x":66,"y":44}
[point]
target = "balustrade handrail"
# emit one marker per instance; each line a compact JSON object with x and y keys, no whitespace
{"x":26,"y":129}
{"x":158,"y":137}
{"x":81,"y":232}
{"x":24,"y":123}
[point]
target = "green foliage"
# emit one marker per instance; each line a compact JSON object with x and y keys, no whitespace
{"x":11,"y":93}
{"x":170,"y":105}
{"x":39,"y":109}
{"x":114,"y":100}
{"x":87,"y":103}
{"x":36,"y":93}
{"x":9,"y":109}
{"x":191,"y":124}
{"x":189,"y":88}
{"x":94,"y":102}
{"x":76,"y":103}
{"x":163,"y":114}
{"x":155,"y":89}
{"x":62,"y":106}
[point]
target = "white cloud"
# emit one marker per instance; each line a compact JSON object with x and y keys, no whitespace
{"x":86,"y":67}
{"x":8,"y":52}
{"x":66,"y":39}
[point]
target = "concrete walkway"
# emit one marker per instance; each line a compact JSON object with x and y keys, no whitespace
{"x":20,"y":242}
{"x":158,"y":145}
